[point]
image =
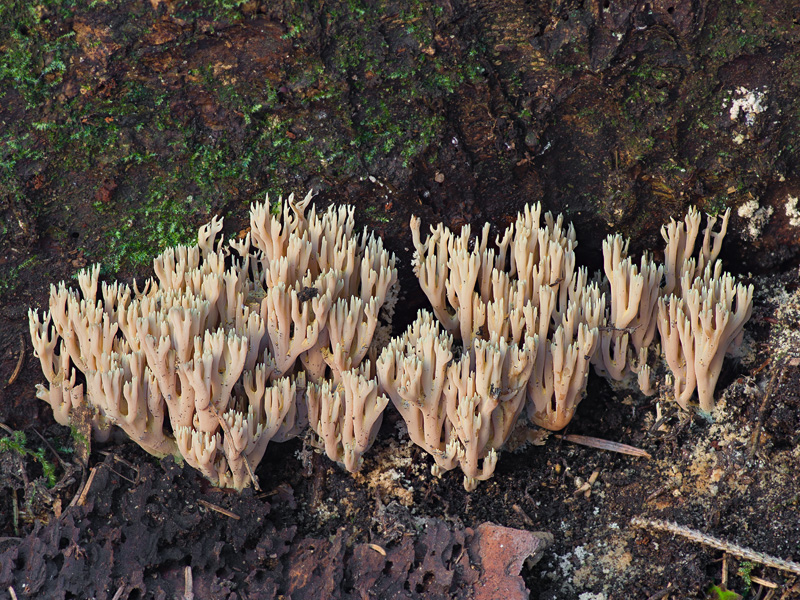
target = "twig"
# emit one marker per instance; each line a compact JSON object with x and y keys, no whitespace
{"x":74,"y":500}
{"x":586,"y":487}
{"x":761,"y":367}
{"x":658,"y":424}
{"x":188,"y":586}
{"x":85,"y":490}
{"x":12,"y":592}
{"x":219,"y":509}
{"x":764,"y":582}
{"x":19,"y":457}
{"x":118,"y":474}
{"x":119,"y":592}
{"x":608,"y":328}
{"x":119,"y":459}
{"x":656,"y":494}
{"x":20,"y":361}
{"x":525,"y":518}
{"x":762,"y":409}
{"x":128,"y":464}
{"x":600,"y":444}
{"x":378,"y":549}
{"x":720,"y":544}
{"x":15,"y":510}
{"x":283,"y":488}
{"x":724,"y":578}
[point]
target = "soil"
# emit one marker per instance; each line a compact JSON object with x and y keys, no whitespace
{"x":124,"y":125}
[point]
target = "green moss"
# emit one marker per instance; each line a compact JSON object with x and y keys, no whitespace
{"x":33,"y":59}
{"x":649,"y":85}
{"x":375,"y":214}
{"x":17,"y":442}
{"x":160,"y":221}
{"x":745,"y":569}
{"x":720,"y":592}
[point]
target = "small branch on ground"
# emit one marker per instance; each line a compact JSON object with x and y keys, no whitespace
{"x":720,"y":544}
{"x":219,"y":509}
{"x":20,"y":362}
{"x":188,"y":586}
{"x":82,"y":496}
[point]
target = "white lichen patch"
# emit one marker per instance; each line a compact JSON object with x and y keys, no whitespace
{"x":596,"y":568}
{"x":746,"y":210}
{"x":792,"y":212}
{"x":784,"y":340}
{"x":757,"y":218}
{"x":747,"y":104}
{"x":609,"y":559}
{"x":562,"y":570}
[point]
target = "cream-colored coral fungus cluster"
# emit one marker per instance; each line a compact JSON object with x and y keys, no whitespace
{"x":531,"y":323}
{"x":236,"y":344}
{"x":528,"y":325}
{"x":231,"y":346}
{"x":702,"y":310}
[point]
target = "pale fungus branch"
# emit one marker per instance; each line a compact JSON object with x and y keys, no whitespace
{"x":528,"y":287}
{"x":412,"y":370}
{"x":347,"y":416}
{"x":630,"y":326}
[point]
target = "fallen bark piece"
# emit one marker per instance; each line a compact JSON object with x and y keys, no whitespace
{"x":500,"y":552}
